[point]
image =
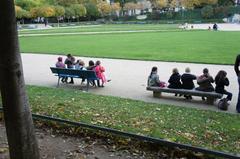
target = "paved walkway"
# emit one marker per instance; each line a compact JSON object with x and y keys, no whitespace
{"x":128,"y":78}
{"x":221,"y":26}
{"x":93,"y":33}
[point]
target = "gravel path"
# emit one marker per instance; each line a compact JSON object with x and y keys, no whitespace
{"x":92,"y":33}
{"x":128,"y":78}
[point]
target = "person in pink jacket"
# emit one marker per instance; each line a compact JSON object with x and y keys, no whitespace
{"x":100,"y":74}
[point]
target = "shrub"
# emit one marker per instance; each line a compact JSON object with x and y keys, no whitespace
{"x":207,"y":12}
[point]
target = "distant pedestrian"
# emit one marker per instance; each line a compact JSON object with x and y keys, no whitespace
{"x":215,"y":27}
{"x":45,"y":22}
{"x":236,"y":68}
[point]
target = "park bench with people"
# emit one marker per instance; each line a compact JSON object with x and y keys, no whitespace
{"x":88,"y":75}
{"x":211,"y":96}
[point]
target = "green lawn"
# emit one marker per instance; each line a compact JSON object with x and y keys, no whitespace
{"x":184,"y":46}
{"x":214,"y":130}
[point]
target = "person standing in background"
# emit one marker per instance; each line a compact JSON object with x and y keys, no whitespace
{"x":236,"y":68}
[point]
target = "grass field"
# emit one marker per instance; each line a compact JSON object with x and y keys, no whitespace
{"x":171,"y":45}
{"x":214,"y":130}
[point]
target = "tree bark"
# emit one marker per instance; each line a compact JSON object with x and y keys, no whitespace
{"x":18,"y":119}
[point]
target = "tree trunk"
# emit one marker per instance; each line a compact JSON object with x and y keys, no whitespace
{"x":58,"y":21}
{"x":18,"y":119}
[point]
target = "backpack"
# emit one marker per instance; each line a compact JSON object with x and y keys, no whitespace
{"x":223,"y":104}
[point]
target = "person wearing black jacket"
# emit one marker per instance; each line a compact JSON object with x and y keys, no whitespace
{"x":221,"y":81}
{"x":236,"y":68}
{"x":174,"y":80}
{"x":187,"y":81}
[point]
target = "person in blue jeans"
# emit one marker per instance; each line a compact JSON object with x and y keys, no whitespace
{"x":236,"y":68}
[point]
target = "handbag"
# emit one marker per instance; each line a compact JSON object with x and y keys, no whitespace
{"x":223,"y":104}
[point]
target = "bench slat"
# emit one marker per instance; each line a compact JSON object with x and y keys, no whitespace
{"x":185,"y":92}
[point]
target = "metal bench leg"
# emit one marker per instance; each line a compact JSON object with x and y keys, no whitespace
{"x":157,"y":94}
{"x":87,"y":85}
{"x":210,"y":100}
{"x":58,"y":81}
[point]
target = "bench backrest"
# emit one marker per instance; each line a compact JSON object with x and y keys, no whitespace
{"x":88,"y":74}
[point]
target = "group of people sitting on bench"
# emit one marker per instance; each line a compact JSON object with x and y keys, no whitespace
{"x":185,"y":81}
{"x":70,"y":63}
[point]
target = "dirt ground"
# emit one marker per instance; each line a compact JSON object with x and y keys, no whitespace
{"x":58,"y":146}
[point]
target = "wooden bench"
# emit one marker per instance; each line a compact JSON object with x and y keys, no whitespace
{"x":211,"y":96}
{"x":84,"y":74}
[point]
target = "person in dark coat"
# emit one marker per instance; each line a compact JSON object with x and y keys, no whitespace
{"x":174,"y":80}
{"x":70,"y":61}
{"x":221,"y":81}
{"x":187,"y":81}
{"x":215,"y":27}
{"x":236,"y":68}
{"x":91,"y":66}
{"x":205,"y":82}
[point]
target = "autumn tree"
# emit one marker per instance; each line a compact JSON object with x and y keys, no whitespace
{"x":47,"y":11}
{"x":59,"y":12}
{"x":130,"y":6}
{"x":159,"y":4}
{"x":21,"y":13}
{"x":66,"y":3}
{"x":115,"y":7}
{"x":174,"y":4}
{"x":207,"y":12}
{"x":190,"y":4}
{"x":28,"y":4}
{"x":92,"y":10}
{"x":69,"y":13}
{"x":78,"y":10}
{"x":226,"y":2}
{"x":104,"y":8}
